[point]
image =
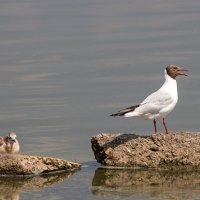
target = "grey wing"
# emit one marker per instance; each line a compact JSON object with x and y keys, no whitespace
{"x":155,"y":102}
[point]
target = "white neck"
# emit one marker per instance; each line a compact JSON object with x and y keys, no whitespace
{"x":170,"y":83}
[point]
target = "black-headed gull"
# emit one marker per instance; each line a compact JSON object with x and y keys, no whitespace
{"x":160,"y":103}
{"x":9,"y":143}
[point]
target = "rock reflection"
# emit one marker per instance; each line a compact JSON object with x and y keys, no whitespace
{"x":11,"y":186}
{"x":151,"y":184}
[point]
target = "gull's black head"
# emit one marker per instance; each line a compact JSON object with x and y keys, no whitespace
{"x":173,"y":71}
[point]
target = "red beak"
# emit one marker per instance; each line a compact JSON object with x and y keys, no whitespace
{"x":182,"y":70}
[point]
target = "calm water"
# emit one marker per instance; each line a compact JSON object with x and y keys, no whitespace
{"x":66,"y":65}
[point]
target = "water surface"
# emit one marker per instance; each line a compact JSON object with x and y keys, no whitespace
{"x":65,"y":66}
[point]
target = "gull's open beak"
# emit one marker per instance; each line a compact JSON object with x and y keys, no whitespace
{"x":182,"y":70}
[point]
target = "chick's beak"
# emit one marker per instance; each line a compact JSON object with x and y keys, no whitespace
{"x":14,"y":141}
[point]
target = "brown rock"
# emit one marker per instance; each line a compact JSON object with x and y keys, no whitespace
{"x":12,"y":164}
{"x":179,"y":149}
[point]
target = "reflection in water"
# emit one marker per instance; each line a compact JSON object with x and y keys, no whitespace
{"x":11,"y":187}
{"x":152,"y":184}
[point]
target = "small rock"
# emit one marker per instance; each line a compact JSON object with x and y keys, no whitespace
{"x":15,"y":164}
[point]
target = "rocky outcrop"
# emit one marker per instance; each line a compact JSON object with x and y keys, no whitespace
{"x":178,"y":149}
{"x":12,"y":164}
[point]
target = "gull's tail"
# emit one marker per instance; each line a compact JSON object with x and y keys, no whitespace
{"x":125,"y":111}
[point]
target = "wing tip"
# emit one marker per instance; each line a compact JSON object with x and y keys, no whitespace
{"x":123,"y":112}
{"x":116,"y":114}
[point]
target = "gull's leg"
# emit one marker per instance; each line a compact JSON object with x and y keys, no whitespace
{"x":164,"y":124}
{"x":154,"y":123}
